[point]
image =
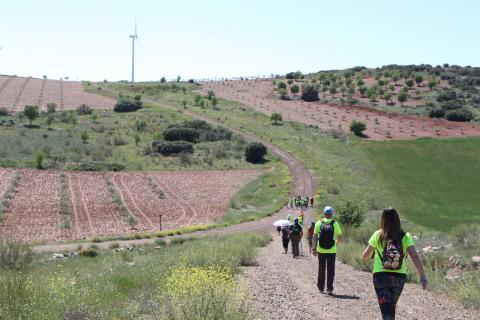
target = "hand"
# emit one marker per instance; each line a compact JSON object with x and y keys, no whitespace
{"x":424,"y":282}
{"x":314,"y":252}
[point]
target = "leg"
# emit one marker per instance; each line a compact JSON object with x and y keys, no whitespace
{"x":330,"y":270}
{"x":321,"y":271}
{"x":396,"y":291}
{"x":385,"y":287}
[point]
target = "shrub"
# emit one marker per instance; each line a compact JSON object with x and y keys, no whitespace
{"x":436,"y":113}
{"x":254,"y":152}
{"x":309,"y":93}
{"x":446,"y":95}
{"x":357,"y":127}
{"x":283,"y":94}
{"x":84,"y":109}
{"x":294,"y":89}
{"x":98,"y":166}
{"x":402,"y":97}
{"x":350,"y":214}
{"x":127,"y":104}
{"x":185,"y":134}
{"x":4,"y":112}
{"x":172,"y":148}
{"x":31,"y":112}
{"x":15,"y":255}
{"x":462,"y":115}
{"x":452,"y":104}
{"x":88,"y":252}
{"x":276,"y":118}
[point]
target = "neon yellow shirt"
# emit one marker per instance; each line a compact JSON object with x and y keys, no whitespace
{"x":407,"y":242}
{"x":336,"y":232}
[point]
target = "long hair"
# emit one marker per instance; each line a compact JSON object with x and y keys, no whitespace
{"x":390,"y":227}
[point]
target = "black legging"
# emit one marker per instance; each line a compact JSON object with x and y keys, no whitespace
{"x":389,"y":287}
{"x":285,"y":243}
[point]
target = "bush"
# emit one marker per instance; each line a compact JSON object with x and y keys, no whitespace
{"x":184,"y":134}
{"x":462,"y":115}
{"x":84,"y":109}
{"x":172,"y":148}
{"x":98,"y":166}
{"x":88,"y":252}
{"x":309,"y":93}
{"x":127,"y":104}
{"x":452,"y":104}
{"x":350,"y":214}
{"x":276,"y":118}
{"x":15,"y":255}
{"x":254,"y":152}
{"x":446,"y":95}
{"x":357,"y":127}
{"x":4,"y":112}
{"x":436,"y":113}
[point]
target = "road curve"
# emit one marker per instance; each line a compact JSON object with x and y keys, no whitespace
{"x":303,"y":183}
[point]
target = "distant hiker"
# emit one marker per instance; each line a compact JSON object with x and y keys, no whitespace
{"x":326,"y":234}
{"x":285,"y":237}
{"x":310,"y":235}
{"x":311,"y":202}
{"x":390,"y":245}
{"x":301,"y":215}
{"x":296,"y":234}
{"x":279,"y":229}
{"x":289,"y":217}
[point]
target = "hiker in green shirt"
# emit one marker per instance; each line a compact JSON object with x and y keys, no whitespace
{"x":390,"y":246}
{"x":326,"y":235}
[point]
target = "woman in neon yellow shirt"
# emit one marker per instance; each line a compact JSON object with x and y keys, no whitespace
{"x":390,"y":245}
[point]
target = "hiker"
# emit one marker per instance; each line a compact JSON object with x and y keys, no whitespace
{"x":311,"y":202}
{"x":301,"y":215}
{"x":289,"y":217}
{"x":296,"y":234}
{"x":310,"y":235}
{"x":279,"y":229}
{"x":326,"y":235}
{"x":390,"y":246}
{"x":285,"y":237}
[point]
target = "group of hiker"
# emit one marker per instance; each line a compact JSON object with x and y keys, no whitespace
{"x":299,"y":202}
{"x":388,"y":247}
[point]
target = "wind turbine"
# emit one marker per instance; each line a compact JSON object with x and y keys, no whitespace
{"x":134,"y":37}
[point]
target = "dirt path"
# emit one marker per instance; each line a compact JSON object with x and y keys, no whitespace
{"x":281,"y":287}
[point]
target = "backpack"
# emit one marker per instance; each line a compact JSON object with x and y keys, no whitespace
{"x":296,"y":230}
{"x":285,"y":232}
{"x":327,"y":232}
{"x":392,"y":256}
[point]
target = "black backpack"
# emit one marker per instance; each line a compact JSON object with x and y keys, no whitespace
{"x":327,"y":232}
{"x":296,"y":230}
{"x":285,"y":232}
{"x":392,"y":256}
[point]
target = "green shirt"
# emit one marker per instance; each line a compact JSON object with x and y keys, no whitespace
{"x":336,"y":232}
{"x":407,"y":242}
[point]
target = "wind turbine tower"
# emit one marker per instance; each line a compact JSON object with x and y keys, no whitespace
{"x":134,"y":37}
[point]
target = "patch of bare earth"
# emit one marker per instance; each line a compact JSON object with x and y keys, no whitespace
{"x":380,"y":126}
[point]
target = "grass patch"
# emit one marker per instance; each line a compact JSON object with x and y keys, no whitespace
{"x":98,"y":285}
{"x":434,"y":181}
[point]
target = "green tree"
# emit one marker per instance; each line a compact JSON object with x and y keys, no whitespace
{"x":409,"y":83}
{"x":294,"y":89}
{"x":395,"y":76}
{"x":432,"y":84}
{"x":214,"y":102}
{"x":49,"y":120}
{"x":333,"y":90}
{"x":210,"y":94}
{"x":357,"y":127}
{"x":84,"y":136}
{"x":31,"y":112}
{"x":387,"y":95}
{"x":137,"y":139}
{"x":372,"y":94}
{"x":94,"y":117}
{"x":283,"y":93}
{"x":290,"y":81}
{"x":350,"y":214}
{"x":360,"y":82}
{"x":163,"y":80}
{"x":343,"y":89}
{"x":276,"y":118}
{"x":363,"y":90}
{"x":402,"y":97}
{"x":418,"y":80}
{"x":254,"y":152}
{"x":39,"y":161}
{"x":281,"y":85}
{"x":51,"y":108}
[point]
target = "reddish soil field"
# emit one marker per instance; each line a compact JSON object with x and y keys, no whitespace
{"x":380,"y":125}
{"x":16,"y":92}
{"x":189,"y":198}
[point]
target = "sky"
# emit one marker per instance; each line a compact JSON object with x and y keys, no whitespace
{"x":89,"y":40}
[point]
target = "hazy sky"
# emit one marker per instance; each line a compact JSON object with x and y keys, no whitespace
{"x":221,"y":38}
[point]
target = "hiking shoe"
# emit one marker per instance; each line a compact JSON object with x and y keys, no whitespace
{"x":330,"y":292}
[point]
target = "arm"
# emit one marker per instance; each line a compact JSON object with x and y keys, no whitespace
{"x":314,"y":245}
{"x":418,"y":265}
{"x":339,"y":238}
{"x":368,"y":252}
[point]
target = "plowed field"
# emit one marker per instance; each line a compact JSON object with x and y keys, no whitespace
{"x":380,"y":125}
{"x":16,"y":92}
{"x":189,"y":198}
